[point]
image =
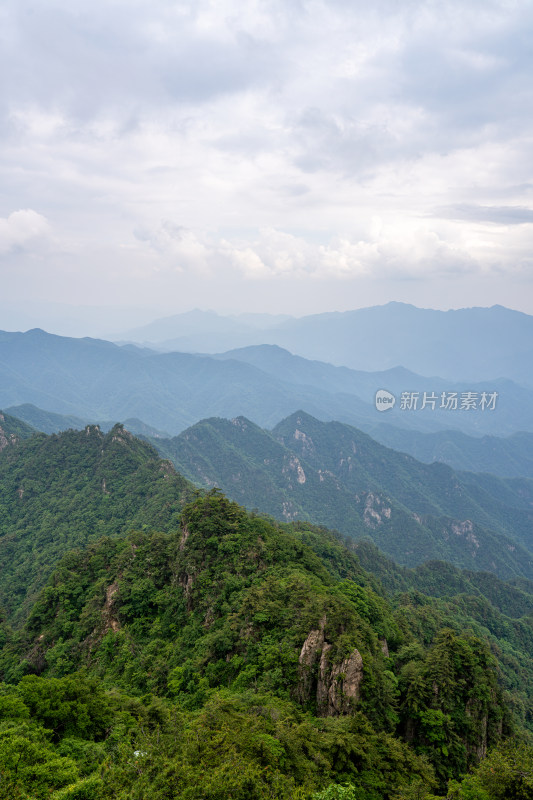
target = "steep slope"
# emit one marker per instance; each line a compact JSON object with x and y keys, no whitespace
{"x":338,"y":476}
{"x":506,"y":505}
{"x":63,"y":491}
{"x":13,"y":430}
{"x":506,"y":457}
{"x":254,"y":632}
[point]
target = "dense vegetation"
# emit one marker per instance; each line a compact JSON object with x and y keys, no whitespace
{"x":63,"y":491}
{"x":13,"y":429}
{"x":509,"y":456}
{"x":233,"y":658}
{"x":188,"y":649}
{"x":337,"y":476}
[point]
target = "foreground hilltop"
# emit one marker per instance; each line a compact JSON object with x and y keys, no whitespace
{"x":243,"y":661}
{"x":187,"y":648}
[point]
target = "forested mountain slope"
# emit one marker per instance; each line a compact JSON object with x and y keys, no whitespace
{"x":234,"y":658}
{"x":337,"y":476}
{"x":63,"y":491}
{"x":508,"y":457}
{"x":12,"y":430}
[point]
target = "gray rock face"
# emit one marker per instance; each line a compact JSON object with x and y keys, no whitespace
{"x":336,"y":687}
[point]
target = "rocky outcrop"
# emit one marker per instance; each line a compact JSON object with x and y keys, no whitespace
{"x":108,"y":612}
{"x":309,"y":655}
{"x":338,"y":688}
{"x":335,"y":687}
{"x":293,"y":468}
{"x":4,"y":441}
{"x":6,"y":438}
{"x":187,"y":582}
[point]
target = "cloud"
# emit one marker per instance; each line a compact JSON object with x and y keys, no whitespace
{"x":177,"y":245}
{"x":23,"y":231}
{"x":302,"y":120}
{"x":498,"y":215}
{"x":274,"y":254}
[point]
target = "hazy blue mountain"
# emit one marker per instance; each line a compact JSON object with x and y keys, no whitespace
{"x":507,"y":457}
{"x":511,"y":456}
{"x":514,"y":404}
{"x":467,"y":344}
{"x":48,"y":421}
{"x":195,"y":331}
{"x":337,"y":476}
{"x":470,"y":344}
{"x":96,"y":380}
{"x":93,"y":379}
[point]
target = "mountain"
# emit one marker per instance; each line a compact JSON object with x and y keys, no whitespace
{"x":512,"y":412}
{"x":96,"y":380}
{"x":12,"y":430}
{"x":61,"y":492}
{"x":195,"y":331}
{"x":189,"y":649}
{"x":337,"y":476}
{"x":245,"y":660}
{"x":468,"y":344}
{"x":511,"y":456}
{"x":93,"y":379}
{"x":506,"y":457}
{"x":49,"y":422}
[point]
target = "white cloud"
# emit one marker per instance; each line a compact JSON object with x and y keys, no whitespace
{"x":178,"y":246}
{"x":417,"y":254}
{"x":23,"y":231}
{"x":301,"y":120}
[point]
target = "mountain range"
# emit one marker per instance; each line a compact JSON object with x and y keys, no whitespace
{"x":159,"y":641}
{"x":213,"y":653}
{"x":337,"y":476}
{"x":469,"y":344}
{"x":97,"y":380}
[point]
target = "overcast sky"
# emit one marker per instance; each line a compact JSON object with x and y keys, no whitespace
{"x":285,"y":156}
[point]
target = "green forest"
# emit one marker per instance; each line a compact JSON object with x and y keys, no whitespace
{"x":161,"y":642}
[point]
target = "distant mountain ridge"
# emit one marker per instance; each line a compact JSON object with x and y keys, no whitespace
{"x":337,"y":476}
{"x":468,"y":344}
{"x":97,"y":380}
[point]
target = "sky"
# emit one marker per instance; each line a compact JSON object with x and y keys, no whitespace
{"x":283,"y":157}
